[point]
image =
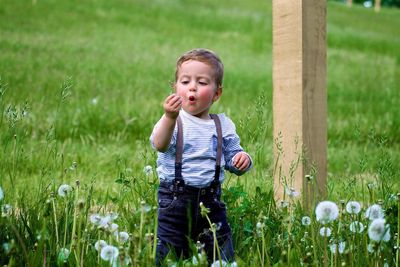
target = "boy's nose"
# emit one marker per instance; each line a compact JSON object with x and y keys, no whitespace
{"x":192,"y":87}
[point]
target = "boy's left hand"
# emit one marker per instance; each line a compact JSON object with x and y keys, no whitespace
{"x":241,"y":161}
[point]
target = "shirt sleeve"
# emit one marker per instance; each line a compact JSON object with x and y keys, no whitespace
{"x":231,"y":146}
{"x":173,"y":138}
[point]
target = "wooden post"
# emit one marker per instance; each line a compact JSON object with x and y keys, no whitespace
{"x":349,"y":3}
{"x":377,"y":5}
{"x":299,"y":97}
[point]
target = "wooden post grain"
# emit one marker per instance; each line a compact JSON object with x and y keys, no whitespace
{"x":299,"y":98}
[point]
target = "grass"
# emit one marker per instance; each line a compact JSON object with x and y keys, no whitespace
{"x":83,"y":82}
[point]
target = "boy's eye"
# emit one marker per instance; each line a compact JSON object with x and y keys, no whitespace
{"x":184,"y":82}
{"x":202,"y":82}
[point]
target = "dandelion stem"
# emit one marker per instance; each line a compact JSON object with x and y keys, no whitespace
{"x":66,"y":224}
{"x":55,"y":220}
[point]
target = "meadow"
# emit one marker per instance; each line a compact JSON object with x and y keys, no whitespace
{"x":82,"y":84}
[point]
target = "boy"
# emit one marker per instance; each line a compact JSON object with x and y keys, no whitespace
{"x":194,"y":147}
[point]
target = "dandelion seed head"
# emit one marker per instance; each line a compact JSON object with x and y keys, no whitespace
{"x":306,"y":220}
{"x":353,"y":207}
{"x":325,"y":231}
{"x":1,"y":193}
{"x":95,"y":219}
{"x":374,"y":212}
{"x":371,"y":248}
{"x":6,"y":210}
{"x":356,"y":227}
{"x":63,"y":254}
{"x":100,"y":244}
{"x":283,"y":204}
{"x":109,"y":253}
{"x":64,"y":189}
{"x":378,"y":231}
{"x":112,"y":227}
{"x":326,"y":212}
{"x":218,"y":263}
{"x":147,"y":170}
{"x":291,"y":192}
{"x":123,"y":237}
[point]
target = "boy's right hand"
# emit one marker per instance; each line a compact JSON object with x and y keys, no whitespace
{"x":172,"y":105}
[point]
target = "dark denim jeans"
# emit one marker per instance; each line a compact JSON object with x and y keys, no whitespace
{"x":180,"y":220}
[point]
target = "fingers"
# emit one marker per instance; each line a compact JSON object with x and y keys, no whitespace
{"x":241,"y":161}
{"x":172,"y":105}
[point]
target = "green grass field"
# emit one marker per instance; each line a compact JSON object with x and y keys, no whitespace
{"x":82,"y":83}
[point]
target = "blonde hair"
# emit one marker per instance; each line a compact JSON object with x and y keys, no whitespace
{"x":206,"y":56}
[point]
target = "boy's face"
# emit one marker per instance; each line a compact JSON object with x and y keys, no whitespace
{"x":196,"y":86}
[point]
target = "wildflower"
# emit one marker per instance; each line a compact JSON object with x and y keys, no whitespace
{"x":356,"y":227}
{"x":353,"y":207}
{"x":6,"y":210}
{"x":1,"y":193}
{"x":326,"y":212}
{"x":122,"y":237}
{"x":100,"y":244}
{"x":306,"y":220}
{"x":104,"y":222}
{"x":378,"y":231}
{"x":148,"y":170}
{"x":64,"y":189}
{"x":338,"y":247}
{"x":63,"y":255}
{"x":325,"y":231}
{"x":109,"y":253}
{"x":374,"y":212}
{"x":291,"y":192}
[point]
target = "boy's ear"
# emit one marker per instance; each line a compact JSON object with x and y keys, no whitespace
{"x":217,"y":94}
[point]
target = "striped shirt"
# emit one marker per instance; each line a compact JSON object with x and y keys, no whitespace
{"x":200,"y":150}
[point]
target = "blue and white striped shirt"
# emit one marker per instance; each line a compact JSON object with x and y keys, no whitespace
{"x":200,"y":150}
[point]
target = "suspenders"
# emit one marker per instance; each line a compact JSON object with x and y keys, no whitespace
{"x":179,"y":183}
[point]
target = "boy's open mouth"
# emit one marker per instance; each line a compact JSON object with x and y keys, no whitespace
{"x":191,"y":98}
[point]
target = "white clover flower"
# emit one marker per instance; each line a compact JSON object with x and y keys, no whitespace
{"x":356,"y":227}
{"x":218,"y":263}
{"x":64,"y":189}
{"x":100,"y":244}
{"x":306,"y":220}
{"x":95,"y":219}
{"x":325,"y":231}
{"x":122,"y":237}
{"x":6,"y":210}
{"x":378,"y":231}
{"x":337,"y":247}
{"x":291,"y":192}
{"x":326,"y":212}
{"x":1,"y":193}
{"x":374,"y":212}
{"x":148,"y":170}
{"x":353,"y":207}
{"x":109,"y":253}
